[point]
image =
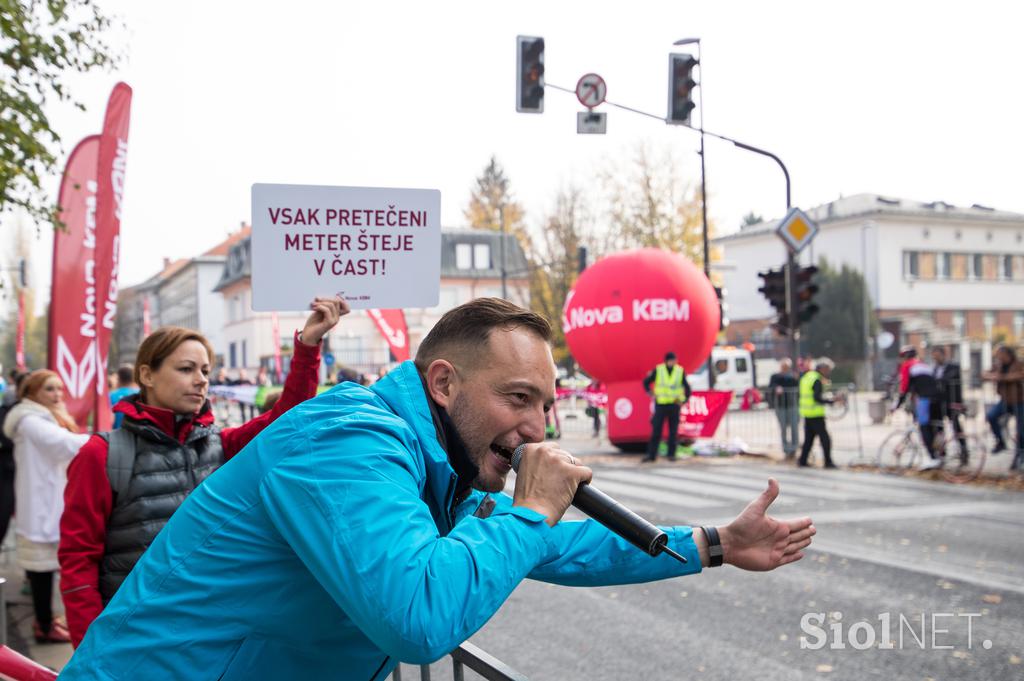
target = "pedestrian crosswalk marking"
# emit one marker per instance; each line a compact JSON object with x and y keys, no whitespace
{"x":756,"y":485}
{"x":643,"y":482}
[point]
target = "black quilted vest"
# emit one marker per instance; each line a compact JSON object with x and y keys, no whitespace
{"x":163,"y":472}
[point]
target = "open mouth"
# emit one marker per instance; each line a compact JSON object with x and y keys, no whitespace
{"x":503,"y":453}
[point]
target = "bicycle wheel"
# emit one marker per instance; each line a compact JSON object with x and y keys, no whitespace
{"x":897,"y":452}
{"x":964,"y":466}
{"x":836,"y":410}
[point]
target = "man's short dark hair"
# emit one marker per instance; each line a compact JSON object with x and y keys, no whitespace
{"x":463,"y":331}
{"x":125,"y":374}
{"x":669,"y":355}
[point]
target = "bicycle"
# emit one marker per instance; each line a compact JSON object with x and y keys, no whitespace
{"x":904,"y":449}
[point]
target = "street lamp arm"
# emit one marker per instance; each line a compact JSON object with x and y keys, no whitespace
{"x":763,"y":152}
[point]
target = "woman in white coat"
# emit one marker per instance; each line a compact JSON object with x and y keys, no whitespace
{"x":45,"y":439}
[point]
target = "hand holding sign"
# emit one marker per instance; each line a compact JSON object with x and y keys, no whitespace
{"x":325,"y":316}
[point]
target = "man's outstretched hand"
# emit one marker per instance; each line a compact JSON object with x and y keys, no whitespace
{"x":757,"y":541}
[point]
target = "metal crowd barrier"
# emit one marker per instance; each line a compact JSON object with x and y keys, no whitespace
{"x":469,"y":656}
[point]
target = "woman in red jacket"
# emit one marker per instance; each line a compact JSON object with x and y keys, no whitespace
{"x":123,"y":486}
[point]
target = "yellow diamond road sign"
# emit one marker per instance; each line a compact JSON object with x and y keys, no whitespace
{"x":797,"y":230}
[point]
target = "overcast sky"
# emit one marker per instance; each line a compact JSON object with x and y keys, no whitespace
{"x":919,"y":100}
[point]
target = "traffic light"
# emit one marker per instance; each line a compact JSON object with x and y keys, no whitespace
{"x":723,"y":308}
{"x":22,"y":274}
{"x":805,"y":289}
{"x":680,"y":88}
{"x":774,"y":290}
{"x":529,"y":74}
{"x":581,"y":259}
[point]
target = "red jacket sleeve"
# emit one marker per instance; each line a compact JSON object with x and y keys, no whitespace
{"x":300,"y":385}
{"x":83,"y":533}
{"x":905,"y":377}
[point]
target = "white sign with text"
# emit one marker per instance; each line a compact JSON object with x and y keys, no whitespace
{"x":375,"y":247}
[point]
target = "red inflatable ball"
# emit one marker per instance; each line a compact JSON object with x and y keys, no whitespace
{"x":627,"y":310}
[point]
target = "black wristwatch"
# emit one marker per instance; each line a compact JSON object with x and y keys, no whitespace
{"x":715,"y":554}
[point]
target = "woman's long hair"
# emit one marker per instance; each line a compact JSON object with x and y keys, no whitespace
{"x":30,"y":388}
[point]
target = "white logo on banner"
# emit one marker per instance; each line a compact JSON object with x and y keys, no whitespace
{"x":76,"y":374}
{"x":623,"y":408}
{"x":697,"y":405}
{"x":393,"y":336}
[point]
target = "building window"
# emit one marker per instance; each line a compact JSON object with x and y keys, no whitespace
{"x":245,"y":355}
{"x":1006,"y":268}
{"x":926,"y":265}
{"x":232,"y":353}
{"x":974,"y":268}
{"x":464,"y":256}
{"x":990,"y":267}
{"x":959,"y":321}
{"x":990,"y":322}
{"x":481,"y":256}
{"x":959,"y":266}
{"x":910,"y":265}
{"x":943,"y":266}
{"x":1018,"y":325}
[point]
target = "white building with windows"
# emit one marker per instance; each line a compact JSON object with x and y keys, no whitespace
{"x":936,"y":272}
{"x":181,"y":294}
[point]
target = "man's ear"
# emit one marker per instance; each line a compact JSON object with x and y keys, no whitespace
{"x":441,"y":379}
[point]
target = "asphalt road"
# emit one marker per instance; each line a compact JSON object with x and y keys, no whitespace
{"x":928,"y":558}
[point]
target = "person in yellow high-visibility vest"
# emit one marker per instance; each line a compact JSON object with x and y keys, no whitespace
{"x":812,"y":409}
{"x":670,"y":392}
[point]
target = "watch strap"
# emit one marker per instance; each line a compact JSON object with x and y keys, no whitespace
{"x":715,"y":554}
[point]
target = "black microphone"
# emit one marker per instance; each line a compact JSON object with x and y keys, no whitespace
{"x":613,"y":515}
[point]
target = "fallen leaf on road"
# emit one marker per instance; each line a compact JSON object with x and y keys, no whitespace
{"x":942,"y":548}
{"x":783,"y":637}
{"x":944,"y":584}
{"x":683,"y":594}
{"x":823,"y":668}
{"x":904,"y":542}
{"x":961,"y":654}
{"x":992,"y":598}
{"x":1014,"y":659}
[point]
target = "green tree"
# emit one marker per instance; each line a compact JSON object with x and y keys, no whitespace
{"x":41,"y":43}
{"x":751,"y":218}
{"x":838,"y":329}
{"x":491,"y":196}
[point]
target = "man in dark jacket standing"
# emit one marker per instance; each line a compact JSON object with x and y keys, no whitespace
{"x":947,"y":375}
{"x":1008,"y":375}
{"x":782,"y":396}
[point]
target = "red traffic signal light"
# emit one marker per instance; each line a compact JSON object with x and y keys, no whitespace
{"x":529,"y":74}
{"x":680,"y":88}
{"x":805,"y":290}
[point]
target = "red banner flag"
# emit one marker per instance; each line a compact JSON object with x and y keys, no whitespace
{"x":145,"y":317}
{"x":72,"y":332}
{"x":110,"y":175}
{"x":19,"y":339}
{"x":391,"y":324}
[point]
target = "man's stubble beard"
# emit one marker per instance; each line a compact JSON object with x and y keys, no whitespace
{"x":477,"y":447}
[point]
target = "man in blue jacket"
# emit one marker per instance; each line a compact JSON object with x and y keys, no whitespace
{"x":356,"y":531}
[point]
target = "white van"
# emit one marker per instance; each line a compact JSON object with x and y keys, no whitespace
{"x":733,"y":367}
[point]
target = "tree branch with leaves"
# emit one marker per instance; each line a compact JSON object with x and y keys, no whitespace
{"x":40,"y":44}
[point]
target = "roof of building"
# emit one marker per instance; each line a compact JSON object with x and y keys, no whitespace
{"x":224,"y":246}
{"x":516,"y":266}
{"x":860,"y":205}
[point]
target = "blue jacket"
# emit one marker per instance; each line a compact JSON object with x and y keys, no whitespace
{"x":326,"y":548}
